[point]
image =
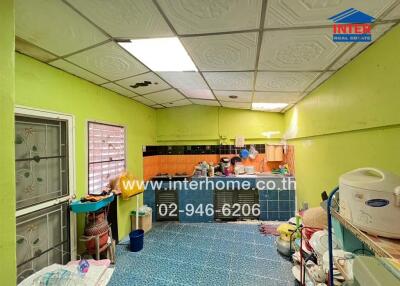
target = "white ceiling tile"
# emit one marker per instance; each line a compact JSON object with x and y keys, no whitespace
{"x":54,"y":26}
{"x":184,"y":80}
{"x":177,"y":103}
{"x":223,"y":52}
{"x":230,"y":80}
{"x":299,"y":50}
{"x":158,"y":106}
{"x":119,"y":89}
{"x":109,"y":61}
{"x":79,"y":72}
{"x":284,"y":81}
{"x":319,"y":81}
{"x":275,"y":97}
{"x":198,"y":93}
{"x":157,"y":83}
{"x":125,"y":18}
{"x":357,"y":48}
{"x":240,"y":105}
{"x":165,"y":96}
{"x":394,"y":14}
{"x":33,"y":51}
{"x":209,"y":16}
{"x":144,"y":100}
{"x":242,"y":96}
{"x":295,"y":13}
{"x":205,"y":102}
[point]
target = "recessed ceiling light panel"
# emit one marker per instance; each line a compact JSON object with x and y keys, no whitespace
{"x":268,"y":106}
{"x":269,"y":134}
{"x":160,"y":54}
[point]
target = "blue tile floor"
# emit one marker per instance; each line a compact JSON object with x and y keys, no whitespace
{"x":202,"y":254}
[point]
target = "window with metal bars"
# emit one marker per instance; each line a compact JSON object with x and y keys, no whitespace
{"x":106,"y":154}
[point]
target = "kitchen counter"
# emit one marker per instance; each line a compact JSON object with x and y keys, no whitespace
{"x":255,"y":175}
{"x":275,"y":194}
{"x":259,"y":182}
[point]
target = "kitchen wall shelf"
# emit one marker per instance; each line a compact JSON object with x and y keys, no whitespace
{"x":274,"y":153}
{"x":380,"y":246}
{"x":387,"y":250}
{"x":86,"y":207}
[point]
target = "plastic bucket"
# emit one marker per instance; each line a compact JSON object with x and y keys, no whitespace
{"x":136,"y":240}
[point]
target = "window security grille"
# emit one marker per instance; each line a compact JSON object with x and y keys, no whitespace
{"x":106,"y":154}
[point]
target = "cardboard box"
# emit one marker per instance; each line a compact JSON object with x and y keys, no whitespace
{"x":145,"y":221}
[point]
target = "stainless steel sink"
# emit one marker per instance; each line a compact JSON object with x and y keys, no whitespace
{"x":264,"y":175}
{"x":269,"y":175}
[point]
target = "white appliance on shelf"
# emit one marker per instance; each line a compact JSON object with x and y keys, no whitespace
{"x":370,"y":199}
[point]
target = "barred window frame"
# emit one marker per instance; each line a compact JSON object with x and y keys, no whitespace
{"x":106,"y":154}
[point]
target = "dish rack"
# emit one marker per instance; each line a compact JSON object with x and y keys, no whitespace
{"x":305,"y":275}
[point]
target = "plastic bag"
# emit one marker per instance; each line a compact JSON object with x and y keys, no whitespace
{"x":129,"y":185}
{"x":59,"y":277}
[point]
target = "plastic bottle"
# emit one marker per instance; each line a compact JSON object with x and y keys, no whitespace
{"x":211,"y":170}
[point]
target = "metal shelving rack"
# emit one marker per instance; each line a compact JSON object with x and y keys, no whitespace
{"x":382,"y":247}
{"x":303,"y":264}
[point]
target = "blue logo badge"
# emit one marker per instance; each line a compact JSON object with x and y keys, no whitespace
{"x":352,"y":25}
{"x":377,"y":203}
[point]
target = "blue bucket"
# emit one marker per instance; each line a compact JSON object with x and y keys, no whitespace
{"x":136,"y":238}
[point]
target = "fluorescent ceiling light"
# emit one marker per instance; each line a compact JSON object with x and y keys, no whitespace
{"x":268,"y":106}
{"x":160,"y":54}
{"x":269,"y":134}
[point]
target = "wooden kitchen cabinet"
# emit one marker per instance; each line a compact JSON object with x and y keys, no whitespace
{"x":274,"y":153}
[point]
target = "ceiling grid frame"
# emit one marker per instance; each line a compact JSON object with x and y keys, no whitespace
{"x":64,"y":58}
{"x":153,"y":77}
{"x":305,"y":92}
{"x":176,"y":34}
{"x":55,"y":57}
{"x":115,"y":40}
{"x":259,"y":43}
{"x":116,"y":82}
{"x":110,"y":39}
{"x":107,"y":83}
{"x":264,"y":12}
{"x":52,"y":63}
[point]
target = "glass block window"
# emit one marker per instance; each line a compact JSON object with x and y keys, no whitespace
{"x":106,"y":154}
{"x":41,"y":160}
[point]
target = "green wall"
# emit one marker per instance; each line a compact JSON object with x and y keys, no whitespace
{"x":195,"y":124}
{"x":41,"y":86}
{"x":350,"y":121}
{"x":7,"y":163}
